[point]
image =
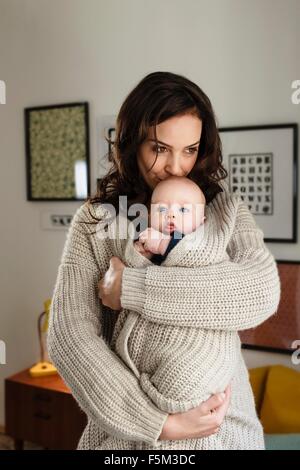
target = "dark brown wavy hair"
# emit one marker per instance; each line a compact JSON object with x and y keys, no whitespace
{"x":156,"y":98}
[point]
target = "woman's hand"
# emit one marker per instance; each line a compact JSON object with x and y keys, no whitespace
{"x":110,"y":285}
{"x":199,"y":421}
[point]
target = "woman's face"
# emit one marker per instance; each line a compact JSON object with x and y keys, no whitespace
{"x":178,"y":144}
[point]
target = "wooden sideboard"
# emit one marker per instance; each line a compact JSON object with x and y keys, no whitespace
{"x":42,"y":410}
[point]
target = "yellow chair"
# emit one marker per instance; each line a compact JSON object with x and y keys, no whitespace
{"x":258,"y":378}
{"x":276,"y":391}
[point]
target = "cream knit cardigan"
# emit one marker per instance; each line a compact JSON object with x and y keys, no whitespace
{"x":175,"y":341}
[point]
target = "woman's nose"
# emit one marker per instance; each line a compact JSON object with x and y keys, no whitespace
{"x":173,"y":166}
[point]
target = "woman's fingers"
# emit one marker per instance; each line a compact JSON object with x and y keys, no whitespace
{"x":228,"y":391}
{"x":109,"y":287}
{"x":203,"y":420}
{"x":219,"y":413}
{"x":213,"y":403}
{"x":227,"y":395}
{"x":217,"y":400}
{"x":115,"y":263}
{"x":215,"y":408}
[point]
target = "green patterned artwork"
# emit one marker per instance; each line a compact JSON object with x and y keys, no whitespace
{"x":57,"y":151}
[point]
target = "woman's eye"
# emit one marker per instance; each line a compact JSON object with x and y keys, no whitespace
{"x":184,"y":209}
{"x":161,"y":209}
{"x":157,"y":149}
{"x":194,"y":150}
{"x":160,"y":149}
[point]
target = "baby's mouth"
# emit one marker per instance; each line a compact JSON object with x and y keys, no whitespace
{"x":170,"y":227}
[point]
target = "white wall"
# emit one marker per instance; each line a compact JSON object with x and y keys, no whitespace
{"x":243,"y":54}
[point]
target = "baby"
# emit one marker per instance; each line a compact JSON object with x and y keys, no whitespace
{"x":177,"y":208}
{"x":177,"y":367}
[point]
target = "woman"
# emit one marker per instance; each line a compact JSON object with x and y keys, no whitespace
{"x":166,"y":126}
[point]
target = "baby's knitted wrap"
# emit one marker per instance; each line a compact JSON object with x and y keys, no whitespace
{"x":175,"y":341}
{"x":178,"y":366}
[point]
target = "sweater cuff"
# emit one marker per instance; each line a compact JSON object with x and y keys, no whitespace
{"x":133,"y":295}
{"x":153,"y":427}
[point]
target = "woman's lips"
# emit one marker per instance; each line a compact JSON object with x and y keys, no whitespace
{"x":170,"y":227}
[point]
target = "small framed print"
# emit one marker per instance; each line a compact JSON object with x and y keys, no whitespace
{"x":57,"y":152}
{"x":281,"y":332}
{"x":262,"y":165}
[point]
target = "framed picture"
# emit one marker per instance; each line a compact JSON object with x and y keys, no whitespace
{"x":106,"y":128}
{"x":262,"y":165}
{"x":281,"y":332}
{"x":57,"y":152}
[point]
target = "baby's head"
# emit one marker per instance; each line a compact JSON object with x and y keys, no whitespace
{"x":177,"y":203}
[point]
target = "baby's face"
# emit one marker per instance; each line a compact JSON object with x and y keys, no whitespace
{"x":176,"y":207}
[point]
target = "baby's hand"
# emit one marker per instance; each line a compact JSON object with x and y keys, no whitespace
{"x":154,"y":241}
{"x":140,"y":248}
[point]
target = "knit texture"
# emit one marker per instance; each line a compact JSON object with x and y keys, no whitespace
{"x":229,"y":283}
{"x":178,"y":366}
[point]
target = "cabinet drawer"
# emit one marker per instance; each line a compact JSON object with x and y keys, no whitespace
{"x":46,"y":417}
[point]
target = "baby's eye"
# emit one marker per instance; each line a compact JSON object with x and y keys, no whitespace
{"x":184,"y":209}
{"x":161,"y":209}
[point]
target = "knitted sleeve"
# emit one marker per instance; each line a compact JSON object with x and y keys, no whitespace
{"x":235,"y":294}
{"x":105,"y":389}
